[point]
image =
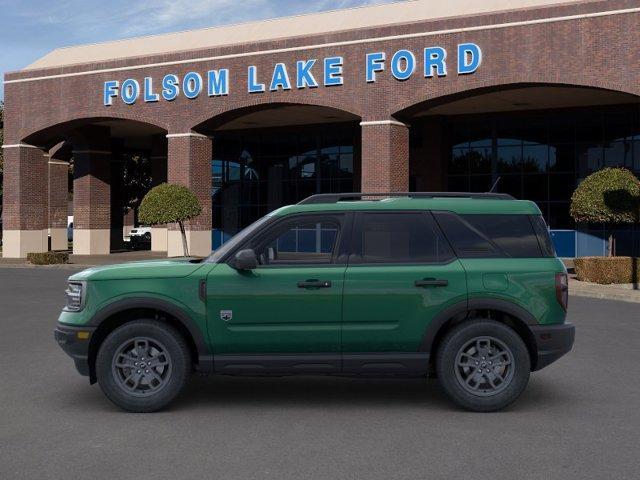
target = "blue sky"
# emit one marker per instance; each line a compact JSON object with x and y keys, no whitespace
{"x":31,"y":28}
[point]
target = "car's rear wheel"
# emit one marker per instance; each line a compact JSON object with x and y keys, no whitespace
{"x":483,"y":365}
{"x":143,"y":365}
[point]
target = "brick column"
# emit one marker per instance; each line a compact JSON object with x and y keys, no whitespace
{"x":385,"y":156}
{"x":24,"y":200}
{"x":58,"y":197}
{"x":189,"y":164}
{"x":92,"y":192}
{"x":158,"y":159}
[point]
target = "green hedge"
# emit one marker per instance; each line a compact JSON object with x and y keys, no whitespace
{"x":48,"y":258}
{"x":168,"y":203}
{"x":607,"y":270}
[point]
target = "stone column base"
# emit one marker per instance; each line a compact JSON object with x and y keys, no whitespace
{"x":199,"y":242}
{"x":59,"y":239}
{"x":159,"y":239}
{"x":17,"y":243}
{"x":91,"y":242}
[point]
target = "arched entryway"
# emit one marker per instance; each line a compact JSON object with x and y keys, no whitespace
{"x":112,"y":161}
{"x":539,"y":140}
{"x":277,"y":154}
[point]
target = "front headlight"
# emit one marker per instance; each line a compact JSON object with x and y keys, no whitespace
{"x":75,"y":296}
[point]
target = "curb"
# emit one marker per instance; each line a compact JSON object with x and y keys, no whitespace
{"x":621,"y":297}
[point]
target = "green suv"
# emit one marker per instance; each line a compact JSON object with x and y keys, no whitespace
{"x":465,"y":287}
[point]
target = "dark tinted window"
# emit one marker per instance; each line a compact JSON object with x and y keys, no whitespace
{"x":474,"y":236}
{"x":542,"y":231}
{"x":398,"y":238}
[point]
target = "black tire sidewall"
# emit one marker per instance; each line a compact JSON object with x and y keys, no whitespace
{"x":446,"y":364}
{"x":176,"y":348}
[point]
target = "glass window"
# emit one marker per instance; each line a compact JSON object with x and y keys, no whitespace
{"x":395,"y":238}
{"x":477,"y":236}
{"x":301,"y":242}
{"x":542,"y":232}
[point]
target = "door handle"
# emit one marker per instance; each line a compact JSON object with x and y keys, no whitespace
{"x":431,"y":282}
{"x":314,"y":284}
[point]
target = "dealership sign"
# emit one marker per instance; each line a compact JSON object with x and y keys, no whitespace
{"x":311,"y":73}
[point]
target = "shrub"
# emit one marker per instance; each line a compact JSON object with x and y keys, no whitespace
{"x":48,"y":258}
{"x":610,"y":195}
{"x":607,"y":270}
{"x":170,"y":203}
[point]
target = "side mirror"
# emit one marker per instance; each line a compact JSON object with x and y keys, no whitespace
{"x":245,"y":260}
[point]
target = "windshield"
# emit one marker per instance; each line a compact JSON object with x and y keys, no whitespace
{"x":236,"y":240}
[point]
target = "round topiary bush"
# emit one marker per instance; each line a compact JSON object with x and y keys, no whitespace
{"x":170,"y":203}
{"x":610,"y":195}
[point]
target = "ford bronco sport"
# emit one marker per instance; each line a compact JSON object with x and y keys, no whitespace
{"x":465,"y":287}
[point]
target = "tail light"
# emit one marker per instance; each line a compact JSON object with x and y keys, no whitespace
{"x":562,"y":290}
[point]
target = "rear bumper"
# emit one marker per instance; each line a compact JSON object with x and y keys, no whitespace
{"x":72,"y":340}
{"x":553,"y":341}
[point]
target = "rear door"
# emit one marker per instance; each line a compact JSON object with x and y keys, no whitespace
{"x":402,"y":272}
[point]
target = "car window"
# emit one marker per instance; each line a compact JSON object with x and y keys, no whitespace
{"x":302,"y":241}
{"x":491,"y":235}
{"x":396,"y":238}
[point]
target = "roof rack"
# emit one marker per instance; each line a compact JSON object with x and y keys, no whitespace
{"x":340,"y":197}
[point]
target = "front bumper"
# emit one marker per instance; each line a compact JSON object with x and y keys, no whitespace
{"x":553,"y":341}
{"x":75,"y":343}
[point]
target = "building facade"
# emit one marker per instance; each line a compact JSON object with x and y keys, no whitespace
{"x":396,"y":97}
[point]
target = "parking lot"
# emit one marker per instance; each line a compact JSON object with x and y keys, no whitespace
{"x":579,"y":418}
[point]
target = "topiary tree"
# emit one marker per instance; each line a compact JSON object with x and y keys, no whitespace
{"x":611,"y":195}
{"x":170,"y":203}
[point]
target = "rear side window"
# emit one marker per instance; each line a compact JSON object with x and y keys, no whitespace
{"x":493,"y":236}
{"x":396,"y":238}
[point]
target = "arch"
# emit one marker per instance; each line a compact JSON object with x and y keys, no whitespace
{"x":456,"y":92}
{"x":47,"y":137}
{"x":209,"y":123}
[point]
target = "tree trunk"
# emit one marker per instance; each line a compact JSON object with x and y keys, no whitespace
{"x":185,"y":247}
{"x":611,"y":249}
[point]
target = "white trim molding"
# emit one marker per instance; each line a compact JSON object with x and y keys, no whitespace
{"x":332,"y":44}
{"x":21,"y":145}
{"x":383,"y":122}
{"x":189,"y":134}
{"x":58,"y":162}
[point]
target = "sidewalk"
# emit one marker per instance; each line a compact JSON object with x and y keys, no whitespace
{"x":626,"y":292}
{"x":85,"y":261}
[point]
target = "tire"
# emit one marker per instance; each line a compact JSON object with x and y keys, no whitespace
{"x":491,"y":348}
{"x":132,"y":383}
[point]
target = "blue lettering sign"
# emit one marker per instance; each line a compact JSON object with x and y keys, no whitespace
{"x":403,"y":64}
{"x":192,"y":85}
{"x":254,"y":86}
{"x":435,"y":58}
{"x":149,"y":96}
{"x":170,"y":89}
{"x":280,"y":78}
{"x":130,"y":91}
{"x":304,"y":76}
{"x":110,"y":92}
{"x":469,"y":58}
{"x":218,"y":82}
{"x":333,"y":71}
{"x":375,"y":63}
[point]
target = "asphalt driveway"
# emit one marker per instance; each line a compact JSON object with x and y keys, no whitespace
{"x":579,"y":418}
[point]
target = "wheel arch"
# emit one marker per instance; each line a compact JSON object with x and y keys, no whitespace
{"x":126,"y":310}
{"x":502,"y":311}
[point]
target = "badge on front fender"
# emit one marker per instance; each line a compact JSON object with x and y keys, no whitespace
{"x":226,"y":315}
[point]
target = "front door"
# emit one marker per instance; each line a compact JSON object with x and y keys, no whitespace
{"x":402,"y":272}
{"x":291,"y":304}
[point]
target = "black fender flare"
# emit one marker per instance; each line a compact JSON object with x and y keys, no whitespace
{"x":465,"y":307}
{"x":156,"y":304}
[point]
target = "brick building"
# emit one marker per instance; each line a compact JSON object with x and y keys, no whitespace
{"x":415,"y":95}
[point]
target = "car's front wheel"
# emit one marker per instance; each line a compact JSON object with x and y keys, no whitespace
{"x":143,"y":365}
{"x":483,"y":365}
